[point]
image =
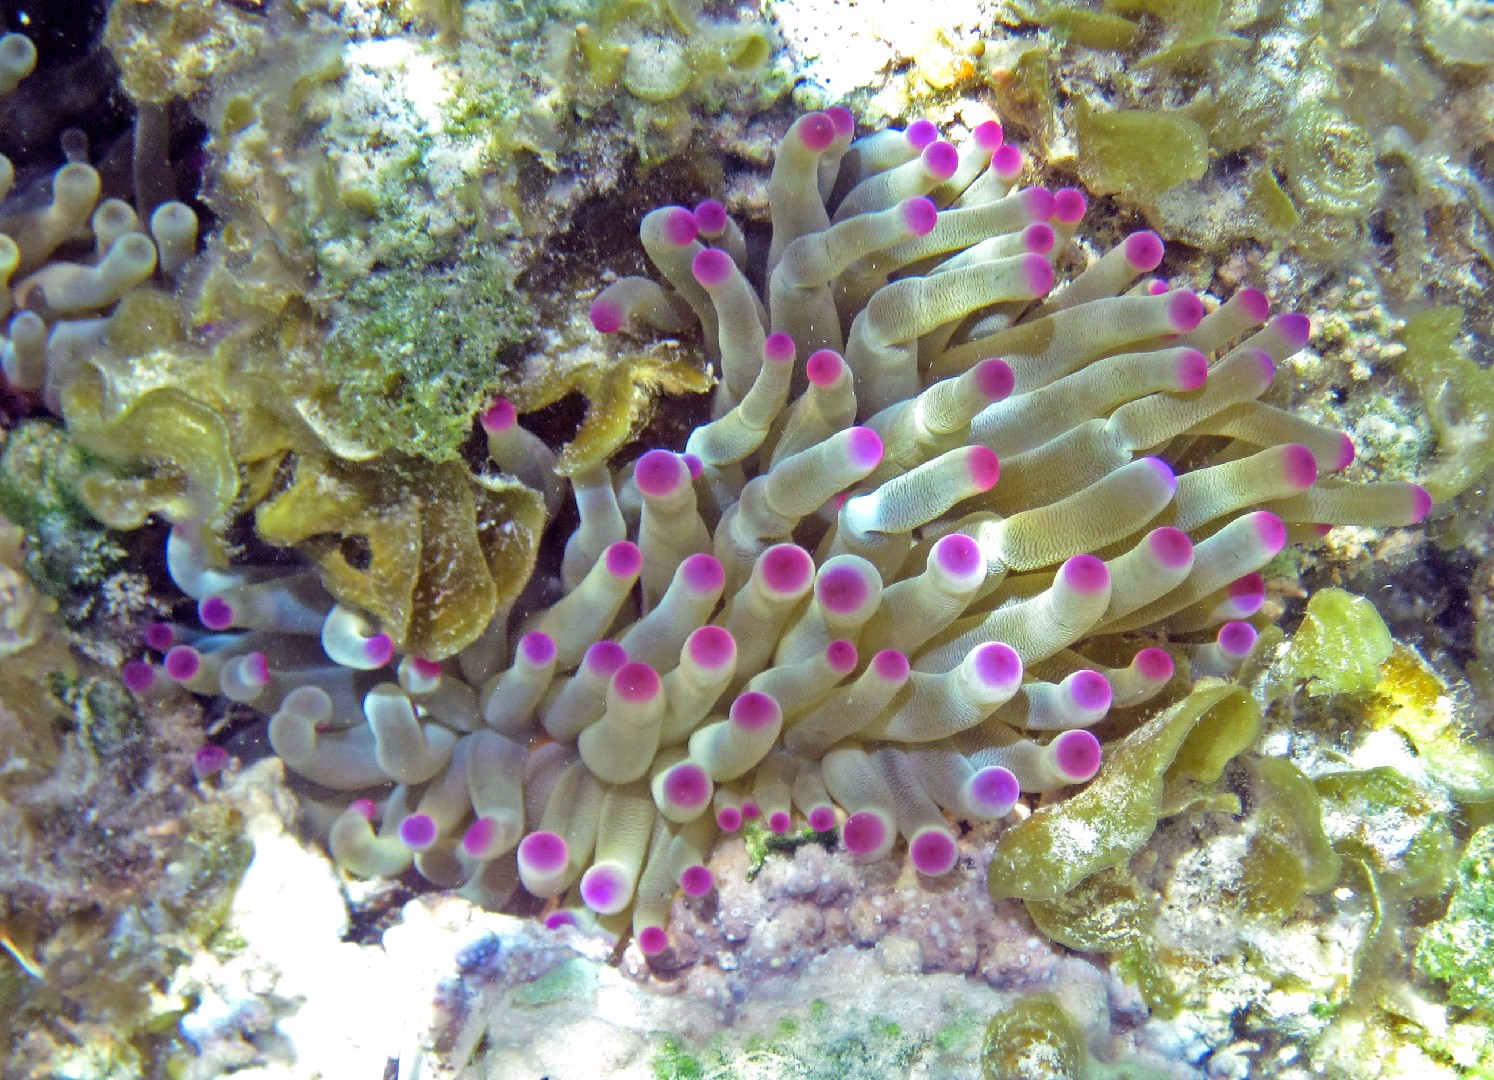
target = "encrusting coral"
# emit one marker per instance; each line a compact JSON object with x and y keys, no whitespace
{"x":945,"y":519}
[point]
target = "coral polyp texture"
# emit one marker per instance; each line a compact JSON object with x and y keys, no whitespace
{"x":954,"y":532}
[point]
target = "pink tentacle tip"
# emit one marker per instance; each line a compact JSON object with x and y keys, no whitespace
{"x":1039,"y":238}
{"x":1069,"y":205}
{"x":623,"y":559}
{"x":537,"y":648}
{"x":1007,"y":162}
{"x":418,"y":832}
{"x":1255,"y":304}
{"x":480,"y":837}
{"x":1085,"y":574}
{"x":941,"y":159}
{"x":750,"y":810}
{"x":1299,"y":466}
{"x":544,"y":852}
{"x":1154,"y":665}
{"x":841,"y":589}
{"x":1039,"y":274}
{"x":1184,"y":310}
{"x":998,"y":665}
{"x":607,"y":317}
{"x":1267,"y":367}
{"x":729,"y":818}
{"x":864,"y":448}
{"x":864,"y":832}
{"x":985,"y":467}
{"x":1421,"y":504}
{"x":816,"y":131}
{"x":604,"y":658}
{"x":557,"y":919}
{"x":841,"y":657}
{"x":958,"y":554}
{"x":844,"y":121}
{"x":182,"y":662}
{"x":605,"y":889}
{"x":160,"y":636}
{"x":1346,"y":453}
{"x":822,"y":818}
{"x":1192,"y":371}
{"x":379,"y":649}
{"x":755,"y":711}
{"x":995,"y":379}
{"x":995,"y":790}
{"x":425,"y":669}
{"x":891,"y":666}
{"x":787,"y":569}
{"x":679,"y":227}
{"x":653,"y":940}
{"x":1089,"y":690}
{"x":694,"y":464}
{"x":138,"y":676}
{"x":824,"y":368}
{"x":697,"y":881}
{"x":703,"y":573}
{"x":1156,"y":287}
{"x":712,"y":267}
{"x":1295,"y":328}
{"x":1143,"y":251}
{"x":711,"y":217}
{"x":209,"y":761}
{"x":1236,"y":639}
{"x":364,"y":808}
{"x":778,"y":349}
{"x":933,"y":852}
{"x":920,"y":133}
{"x":1077,"y":755}
{"x":1039,"y":200}
{"x":711,"y":647}
{"x":779,"y":822}
{"x":215,"y":613}
{"x":1171,"y":547}
{"x":659,"y":474}
{"x":1271,"y":530}
{"x":256,"y":669}
{"x":501,"y":415}
{"x":920,"y":215}
{"x":637,"y":682}
{"x":1165,"y":472}
{"x":988,"y":136}
{"x":687,"y":786}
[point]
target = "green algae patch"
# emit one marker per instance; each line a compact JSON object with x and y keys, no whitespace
{"x":1101,"y":826}
{"x":1411,"y":699}
{"x":1290,"y":855}
{"x":1091,"y":29}
{"x":1340,"y":646}
{"x":1138,"y":153}
{"x":1034,"y":1037}
{"x":1459,"y":948}
{"x":1459,"y":398}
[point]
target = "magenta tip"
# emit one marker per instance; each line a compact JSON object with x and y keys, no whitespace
{"x":988,"y":136}
{"x":786,"y":569}
{"x":1039,"y":273}
{"x":660,"y":473}
{"x":1271,"y":530}
{"x":138,"y":675}
{"x":1295,"y":327}
{"x":920,"y":133}
{"x":697,"y":881}
{"x":779,"y":821}
{"x":1156,"y":287}
{"x":1164,"y":471}
{"x":1299,"y":466}
{"x":1069,"y":205}
{"x":711,"y":647}
{"x":755,"y":711}
{"x":778,"y":348}
{"x":694,"y":464}
{"x":841,"y":657}
{"x":729,"y":818}
{"x":501,"y":414}
{"x":687,"y":786}
{"x":653,"y":940}
{"x":1236,"y":639}
{"x":816,"y":131}
{"x":933,"y":852}
{"x":160,"y":636}
{"x":1184,"y":310}
{"x":418,"y":831}
{"x":941,"y":159}
{"x":920,"y":215}
{"x":891,"y":666}
{"x":1143,"y":251}
{"x":604,"y":658}
{"x":710,"y":217}
{"x":1421,"y":504}
{"x":636,"y":682}
{"x":1007,"y":162}
{"x":556,"y":919}
{"x":841,"y":589}
{"x":998,"y":665}
{"x":1040,"y":201}
{"x":995,"y":790}
{"x":426,"y":669}
{"x":865,"y":447}
{"x":182,"y":662}
{"x":256,"y":669}
{"x":1085,"y":574}
{"x":824,"y":368}
{"x":985,"y":468}
{"x":845,"y":123}
{"x":1039,"y":238}
{"x":703,"y":573}
{"x":1267,"y":367}
{"x":679,"y":226}
{"x":1193,"y":370}
{"x":958,"y":554}
{"x":1154,"y":664}
{"x":379,"y":649}
{"x":544,"y":852}
{"x":822,"y":818}
{"x":364,"y":808}
{"x":1089,"y":690}
{"x":537,"y":648}
{"x":750,"y":810}
{"x":864,"y":832}
{"x":1346,"y":453}
{"x":623,"y":559}
{"x":215,"y":613}
{"x":479,"y":837}
{"x":1171,"y":547}
{"x":712,"y":267}
{"x":1256,"y":306}
{"x":209,"y":761}
{"x":1077,"y":755}
{"x":605,"y":889}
